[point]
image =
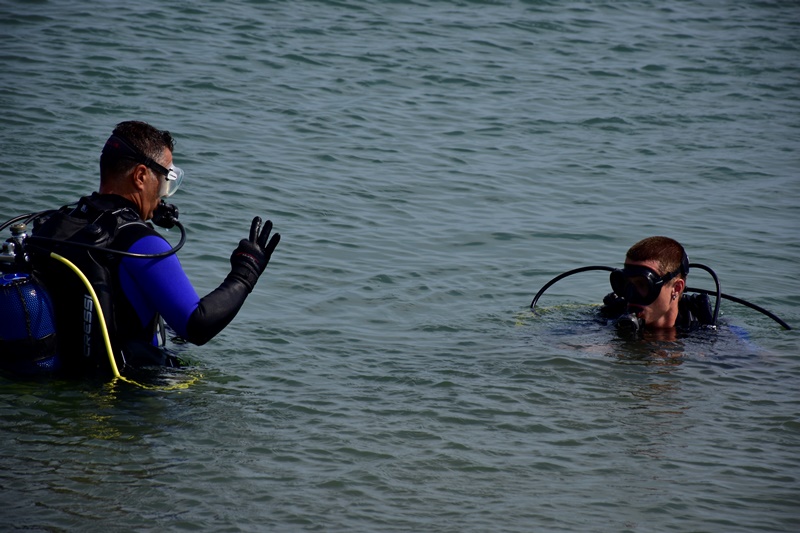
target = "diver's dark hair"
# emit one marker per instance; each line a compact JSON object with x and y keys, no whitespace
{"x":667,"y":252}
{"x":143,"y":137}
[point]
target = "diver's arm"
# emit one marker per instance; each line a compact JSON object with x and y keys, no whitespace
{"x":248,"y":261}
{"x":160,"y":285}
{"x":216,"y":310}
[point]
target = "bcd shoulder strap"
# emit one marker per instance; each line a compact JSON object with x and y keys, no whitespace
{"x":100,"y":222}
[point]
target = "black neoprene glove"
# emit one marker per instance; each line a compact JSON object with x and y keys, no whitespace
{"x":250,"y":258}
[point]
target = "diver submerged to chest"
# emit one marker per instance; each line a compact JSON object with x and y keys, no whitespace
{"x":650,"y":294}
{"x":86,"y":289}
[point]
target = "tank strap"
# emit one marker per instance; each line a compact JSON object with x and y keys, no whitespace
{"x":29,"y":350}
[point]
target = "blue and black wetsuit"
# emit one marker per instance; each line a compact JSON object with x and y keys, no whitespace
{"x":133,"y":292}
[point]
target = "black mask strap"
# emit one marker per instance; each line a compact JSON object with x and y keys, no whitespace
{"x":124,"y":148}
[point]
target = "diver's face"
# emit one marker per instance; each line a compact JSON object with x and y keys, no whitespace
{"x":663,"y":312}
{"x":154,"y":186}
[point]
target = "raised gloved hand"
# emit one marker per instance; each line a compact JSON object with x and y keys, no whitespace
{"x":250,"y":258}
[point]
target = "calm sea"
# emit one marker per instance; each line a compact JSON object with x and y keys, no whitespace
{"x":430,"y":165}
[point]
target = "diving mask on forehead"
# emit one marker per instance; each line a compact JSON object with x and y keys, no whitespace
{"x":638,"y":284}
{"x":173,"y":176}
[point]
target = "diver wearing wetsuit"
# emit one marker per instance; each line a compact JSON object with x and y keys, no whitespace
{"x":136,"y":173}
{"x":646,"y":299}
{"x":694,"y":311}
{"x":649,"y":290}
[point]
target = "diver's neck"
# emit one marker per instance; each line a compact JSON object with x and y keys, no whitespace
{"x":667,"y":321}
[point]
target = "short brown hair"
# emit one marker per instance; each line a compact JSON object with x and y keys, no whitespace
{"x":668,"y":253}
{"x":143,"y":137}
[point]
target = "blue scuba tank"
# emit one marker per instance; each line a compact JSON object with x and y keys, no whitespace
{"x":27,"y":321}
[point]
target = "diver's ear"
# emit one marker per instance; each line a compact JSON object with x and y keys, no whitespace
{"x":139,"y":177}
{"x":678,"y":286}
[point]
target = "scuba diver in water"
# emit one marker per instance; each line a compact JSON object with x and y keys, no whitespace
{"x":650,"y":292}
{"x":101,"y":260}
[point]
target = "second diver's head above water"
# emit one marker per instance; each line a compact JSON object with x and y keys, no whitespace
{"x":652,"y":281}
{"x":648,"y":292}
{"x":136,"y":163}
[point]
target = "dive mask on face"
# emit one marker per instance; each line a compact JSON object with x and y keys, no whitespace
{"x":173,"y":179}
{"x":638,"y":284}
{"x":125,"y":148}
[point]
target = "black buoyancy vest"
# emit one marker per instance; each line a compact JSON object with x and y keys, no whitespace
{"x":105,"y":221}
{"x":694,"y":310}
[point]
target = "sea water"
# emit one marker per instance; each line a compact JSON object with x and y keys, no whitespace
{"x":430,"y":165}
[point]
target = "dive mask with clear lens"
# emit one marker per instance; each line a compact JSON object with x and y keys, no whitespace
{"x":172,"y":181}
{"x":124,"y":148}
{"x":638,"y":284}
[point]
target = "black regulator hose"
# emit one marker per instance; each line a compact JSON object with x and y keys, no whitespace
{"x":26,"y":218}
{"x":564,"y":275}
{"x":742,"y":302}
{"x":718,"y":293}
{"x":33,"y":240}
{"x":165,"y":216}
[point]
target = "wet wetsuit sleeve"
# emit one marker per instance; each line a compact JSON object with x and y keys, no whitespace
{"x":216,"y":310}
{"x":165,"y":288}
{"x":158,"y":285}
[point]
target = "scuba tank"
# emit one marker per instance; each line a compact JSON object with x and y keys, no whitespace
{"x":28,"y":342}
{"x":65,"y":267}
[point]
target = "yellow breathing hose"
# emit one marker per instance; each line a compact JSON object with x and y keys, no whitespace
{"x":104,"y":328}
{"x":100,"y":315}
